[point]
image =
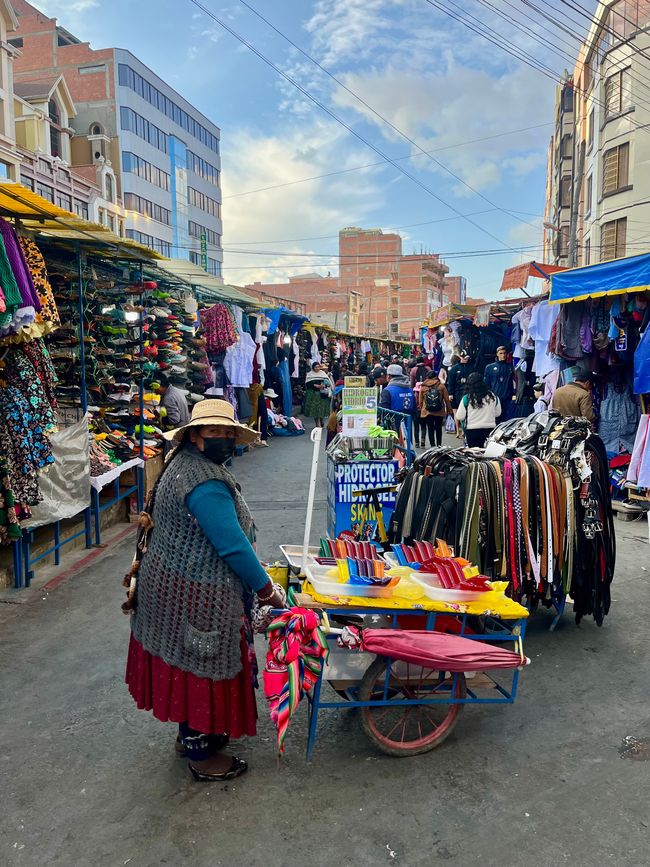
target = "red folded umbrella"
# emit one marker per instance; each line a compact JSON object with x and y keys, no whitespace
{"x":438,"y":650}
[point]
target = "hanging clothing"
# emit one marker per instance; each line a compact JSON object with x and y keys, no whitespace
{"x":238,"y":361}
{"x":619,"y":419}
{"x":287,"y":397}
{"x":541,"y":325}
{"x":219,"y":328}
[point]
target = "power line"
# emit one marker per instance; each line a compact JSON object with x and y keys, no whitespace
{"x":370,"y":108}
{"x":385,"y":162}
{"x":340,"y":121}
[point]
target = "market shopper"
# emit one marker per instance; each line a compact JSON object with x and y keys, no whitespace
{"x":575,"y":398}
{"x":398,"y":395}
{"x":173,"y":402}
{"x":500,"y":379}
{"x":435,"y":406}
{"x":478,"y":411}
{"x":318,"y":393}
{"x":457,"y":382}
{"x":191,"y":656}
{"x":541,"y":403}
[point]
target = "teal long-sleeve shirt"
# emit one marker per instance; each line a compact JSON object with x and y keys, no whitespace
{"x":212,"y":505}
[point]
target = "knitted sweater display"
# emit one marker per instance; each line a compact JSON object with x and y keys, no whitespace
{"x":190,"y":602}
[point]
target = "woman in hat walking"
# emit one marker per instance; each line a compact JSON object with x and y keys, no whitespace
{"x":318,"y":394}
{"x":191,"y":659}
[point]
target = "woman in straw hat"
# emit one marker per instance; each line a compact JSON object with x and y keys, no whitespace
{"x":191,"y":658}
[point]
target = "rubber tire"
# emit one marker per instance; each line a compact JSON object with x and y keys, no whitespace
{"x":375,"y":670}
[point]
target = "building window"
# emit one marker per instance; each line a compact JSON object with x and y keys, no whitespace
{"x":587,"y":252}
{"x":590,"y":130}
{"x":195,"y":230}
{"x":64,"y":201}
{"x":589,"y":191}
{"x":565,"y":192}
{"x":615,"y":169}
{"x":55,"y":128}
{"x":162,"y":247}
{"x":203,"y":202}
{"x":110,"y":188}
{"x":81,"y":208}
{"x":567,"y":99}
{"x":203,"y":168}
{"x":45,"y":192}
{"x":127,"y":77}
{"x":563,"y":242}
{"x":137,"y":166}
{"x":214,"y":266}
{"x":28,"y":182}
{"x":135,"y":123}
{"x":147,"y":208}
{"x":18,"y":42}
{"x":567,"y":145}
{"x":111,"y":222}
{"x":612,"y":239}
{"x":91,"y":70}
{"x":618,"y":93}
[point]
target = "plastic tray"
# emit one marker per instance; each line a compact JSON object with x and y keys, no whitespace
{"x":433,"y":590}
{"x":325,"y":585}
{"x":293,"y":554}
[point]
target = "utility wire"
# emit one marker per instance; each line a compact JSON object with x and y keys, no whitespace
{"x":343,"y":123}
{"x":385,"y":162}
{"x":376,"y":113}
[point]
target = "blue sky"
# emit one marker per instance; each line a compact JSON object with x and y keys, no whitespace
{"x":438,"y":83}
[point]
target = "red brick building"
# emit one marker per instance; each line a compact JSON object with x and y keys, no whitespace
{"x":378,"y":291}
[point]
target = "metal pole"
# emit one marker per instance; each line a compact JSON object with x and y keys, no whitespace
{"x":82,"y":331}
{"x":141,"y":486}
{"x":316,"y":435}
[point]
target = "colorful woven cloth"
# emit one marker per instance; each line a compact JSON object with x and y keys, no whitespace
{"x":294,"y":662}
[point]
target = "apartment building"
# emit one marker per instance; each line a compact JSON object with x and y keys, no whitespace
{"x":165,"y":153}
{"x":378,"y":291}
{"x":557,"y":216}
{"x":609,"y":211}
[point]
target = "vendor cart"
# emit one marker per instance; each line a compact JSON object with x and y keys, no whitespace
{"x":410,"y":702}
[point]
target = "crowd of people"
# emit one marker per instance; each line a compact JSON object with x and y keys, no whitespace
{"x":455,"y":396}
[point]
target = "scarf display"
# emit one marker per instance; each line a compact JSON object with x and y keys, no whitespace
{"x":538,"y":517}
{"x":294,"y":663}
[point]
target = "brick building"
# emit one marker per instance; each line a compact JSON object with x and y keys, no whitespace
{"x":378,"y":291}
{"x":165,"y":153}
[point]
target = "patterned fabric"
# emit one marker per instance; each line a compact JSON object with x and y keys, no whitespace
{"x":219,"y":328}
{"x":190,"y":602}
{"x":294,"y":662}
{"x":10,"y":290}
{"x":9,"y":526}
{"x":18,"y":266}
{"x":26,"y":417}
{"x":38,"y":271}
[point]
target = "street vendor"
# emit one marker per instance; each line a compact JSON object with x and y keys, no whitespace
{"x":191,"y":658}
{"x":173,"y":402}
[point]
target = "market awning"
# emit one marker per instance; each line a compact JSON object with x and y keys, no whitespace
{"x":607,"y":278}
{"x":445,"y":315}
{"x":210,"y":288}
{"x":517,"y":276}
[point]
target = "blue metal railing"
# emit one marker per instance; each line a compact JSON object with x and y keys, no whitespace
{"x":401,"y":423}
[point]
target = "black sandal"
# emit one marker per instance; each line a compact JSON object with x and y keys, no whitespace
{"x":237,"y":768}
{"x":219,"y":742}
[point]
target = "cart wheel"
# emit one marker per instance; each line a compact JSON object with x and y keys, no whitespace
{"x":407,"y":730}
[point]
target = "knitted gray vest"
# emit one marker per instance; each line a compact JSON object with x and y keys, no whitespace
{"x":190,"y":607}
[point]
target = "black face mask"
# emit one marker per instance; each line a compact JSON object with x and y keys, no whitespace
{"x":218,"y":449}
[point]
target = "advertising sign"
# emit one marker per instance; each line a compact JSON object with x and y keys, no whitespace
{"x":359,"y":411}
{"x":347,"y":512}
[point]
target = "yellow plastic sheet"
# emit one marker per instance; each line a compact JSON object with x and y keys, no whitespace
{"x":493,"y":603}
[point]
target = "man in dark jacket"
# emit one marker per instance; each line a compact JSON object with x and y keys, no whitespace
{"x":500,"y":377}
{"x":398,"y":395}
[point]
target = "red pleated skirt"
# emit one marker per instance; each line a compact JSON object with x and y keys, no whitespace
{"x":208,"y":706}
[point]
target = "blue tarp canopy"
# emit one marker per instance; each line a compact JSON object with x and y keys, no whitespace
{"x":608,"y":278}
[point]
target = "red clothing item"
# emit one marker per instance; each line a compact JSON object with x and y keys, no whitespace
{"x":208,"y":706}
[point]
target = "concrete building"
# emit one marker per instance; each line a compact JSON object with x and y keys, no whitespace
{"x":557,"y":213}
{"x":610,"y":203}
{"x":165,"y":153}
{"x":378,"y":291}
{"x":455,"y":290}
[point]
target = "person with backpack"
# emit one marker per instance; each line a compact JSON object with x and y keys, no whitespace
{"x":398,"y":395}
{"x":435,"y":406}
{"x":479,"y":410}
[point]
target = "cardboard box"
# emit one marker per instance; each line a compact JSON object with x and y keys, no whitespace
{"x":152,"y":469}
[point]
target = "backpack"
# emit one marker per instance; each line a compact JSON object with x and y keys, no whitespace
{"x":433,"y":400}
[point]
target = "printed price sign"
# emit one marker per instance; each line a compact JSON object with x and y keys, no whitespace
{"x":359,"y":411}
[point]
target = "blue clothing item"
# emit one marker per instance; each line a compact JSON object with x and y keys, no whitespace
{"x":212,"y":505}
{"x":398,"y":396}
{"x":499,"y":377}
{"x":286,"y":395}
{"x":619,"y":419}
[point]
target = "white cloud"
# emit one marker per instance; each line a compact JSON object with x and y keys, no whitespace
{"x":66,"y":8}
{"x":320,"y":207}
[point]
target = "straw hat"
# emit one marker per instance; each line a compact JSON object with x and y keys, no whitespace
{"x":270,"y":393}
{"x":214,"y":412}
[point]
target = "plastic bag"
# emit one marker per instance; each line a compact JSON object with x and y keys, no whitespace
{"x":450,"y":424}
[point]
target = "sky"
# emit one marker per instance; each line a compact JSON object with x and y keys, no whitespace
{"x":429,"y":129}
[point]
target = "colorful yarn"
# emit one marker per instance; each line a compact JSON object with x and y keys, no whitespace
{"x":294,"y":663}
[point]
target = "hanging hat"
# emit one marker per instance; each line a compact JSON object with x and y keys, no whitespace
{"x":270,"y":393}
{"x":214,"y":412}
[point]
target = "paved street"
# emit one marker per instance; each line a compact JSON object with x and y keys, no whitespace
{"x":89,"y":780}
